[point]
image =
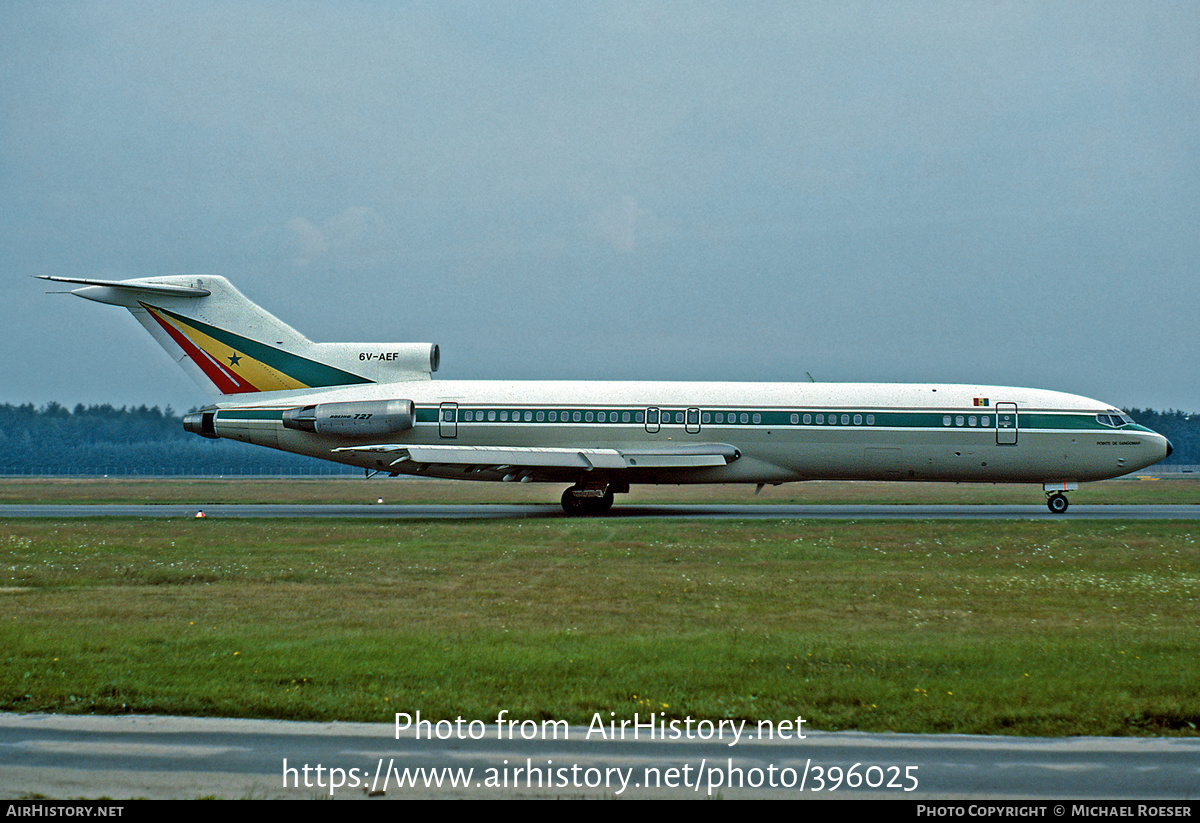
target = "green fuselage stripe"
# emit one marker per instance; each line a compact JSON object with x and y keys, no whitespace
{"x":775,"y":418}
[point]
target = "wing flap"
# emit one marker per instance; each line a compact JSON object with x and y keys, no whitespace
{"x":658,"y":457}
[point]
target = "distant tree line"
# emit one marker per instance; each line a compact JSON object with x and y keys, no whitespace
{"x":98,"y":440}
{"x":1181,"y":428}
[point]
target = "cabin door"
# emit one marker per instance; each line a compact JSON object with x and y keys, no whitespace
{"x":1006,"y":424}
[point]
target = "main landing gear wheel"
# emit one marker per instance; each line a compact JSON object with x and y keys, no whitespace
{"x":1057,"y":503}
{"x":574,"y":504}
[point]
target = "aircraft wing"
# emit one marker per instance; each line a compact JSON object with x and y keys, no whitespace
{"x":692,"y":455}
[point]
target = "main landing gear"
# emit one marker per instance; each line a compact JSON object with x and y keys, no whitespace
{"x":1057,"y":503}
{"x":581,"y":500}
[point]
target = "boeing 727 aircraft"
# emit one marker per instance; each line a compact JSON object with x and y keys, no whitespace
{"x":374,"y":405}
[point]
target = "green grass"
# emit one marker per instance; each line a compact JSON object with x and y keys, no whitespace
{"x":1034,"y":628}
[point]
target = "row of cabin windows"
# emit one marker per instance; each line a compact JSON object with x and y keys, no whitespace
{"x":970,"y":420}
{"x":833,"y":419}
{"x":504,"y":416}
{"x":729,"y":418}
{"x":555,"y":417}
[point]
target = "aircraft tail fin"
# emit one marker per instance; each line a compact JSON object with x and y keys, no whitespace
{"x":230,"y":345}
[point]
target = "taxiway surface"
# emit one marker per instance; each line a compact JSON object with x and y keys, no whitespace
{"x":171,"y":757}
{"x":674,"y":511}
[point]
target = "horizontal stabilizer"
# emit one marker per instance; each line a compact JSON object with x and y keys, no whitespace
{"x":142,"y":286}
{"x":691,"y":456}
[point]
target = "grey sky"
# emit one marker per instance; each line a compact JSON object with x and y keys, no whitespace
{"x":946,"y":192}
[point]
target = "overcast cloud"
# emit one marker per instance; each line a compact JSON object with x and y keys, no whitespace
{"x":946,"y":192}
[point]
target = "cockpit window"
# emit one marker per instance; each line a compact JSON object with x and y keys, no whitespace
{"x":1114,"y":418}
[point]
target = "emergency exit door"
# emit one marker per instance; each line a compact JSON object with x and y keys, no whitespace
{"x":448,"y":420}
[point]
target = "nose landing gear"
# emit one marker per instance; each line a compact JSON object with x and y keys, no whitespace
{"x":1056,"y":499}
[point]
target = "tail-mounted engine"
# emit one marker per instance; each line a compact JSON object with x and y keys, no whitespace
{"x":367,"y":417}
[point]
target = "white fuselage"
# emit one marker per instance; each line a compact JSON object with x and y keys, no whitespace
{"x":782,"y":432}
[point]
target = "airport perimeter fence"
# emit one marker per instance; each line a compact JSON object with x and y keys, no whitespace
{"x":331,"y":470}
{"x":1164,"y":470}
